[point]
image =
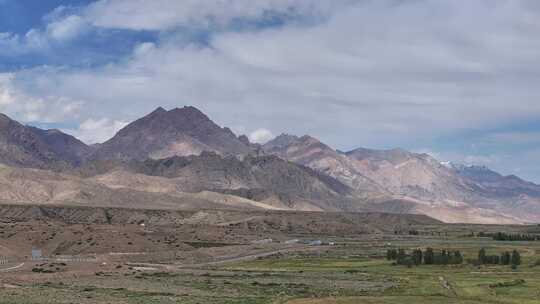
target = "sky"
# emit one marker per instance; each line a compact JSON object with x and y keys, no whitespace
{"x":459,"y":80}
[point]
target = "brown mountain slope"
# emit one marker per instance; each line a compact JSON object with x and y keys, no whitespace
{"x":161,"y":134}
{"x":42,"y":187}
{"x":32,"y":147}
{"x":266,"y":179}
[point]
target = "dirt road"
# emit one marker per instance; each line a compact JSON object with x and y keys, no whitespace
{"x":12,"y":268}
{"x":223,"y":260}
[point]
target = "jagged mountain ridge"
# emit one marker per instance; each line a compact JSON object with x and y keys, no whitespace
{"x":419,"y":182}
{"x":392,"y":172}
{"x":166,"y":151}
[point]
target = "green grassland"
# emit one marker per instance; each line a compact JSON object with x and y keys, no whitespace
{"x":354,"y":271}
{"x":426,"y":283}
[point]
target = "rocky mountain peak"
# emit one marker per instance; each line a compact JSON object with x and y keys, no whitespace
{"x":186,"y":119}
{"x":286,"y":140}
{"x":162,"y":133}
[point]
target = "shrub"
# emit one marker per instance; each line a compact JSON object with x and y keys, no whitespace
{"x":508,"y":283}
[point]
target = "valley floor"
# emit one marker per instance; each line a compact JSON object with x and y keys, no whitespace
{"x":353,"y":270}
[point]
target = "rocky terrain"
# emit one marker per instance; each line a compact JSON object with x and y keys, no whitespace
{"x":180,"y":159}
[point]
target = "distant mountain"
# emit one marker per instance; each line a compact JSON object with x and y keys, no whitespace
{"x":162,"y":134}
{"x":400,"y":181}
{"x":419,"y":176}
{"x":182,"y":159}
{"x":310,"y":152}
{"x":508,"y":194}
{"x":502,"y":185}
{"x":32,"y":147}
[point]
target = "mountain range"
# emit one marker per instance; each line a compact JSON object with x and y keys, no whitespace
{"x":181,"y":159}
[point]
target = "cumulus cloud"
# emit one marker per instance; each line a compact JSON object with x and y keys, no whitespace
{"x":60,"y":26}
{"x":93,"y":131}
{"x":260,"y":136}
{"x":28,"y":108}
{"x":374,"y":69}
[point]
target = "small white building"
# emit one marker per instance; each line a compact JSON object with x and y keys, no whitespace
{"x":37,"y":254}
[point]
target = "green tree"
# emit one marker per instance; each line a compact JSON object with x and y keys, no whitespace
{"x":401,"y":254}
{"x":458,"y":258}
{"x":445,"y":258}
{"x":417,"y":257}
{"x":391,"y":254}
{"x":482,"y":256}
{"x":505,"y":258}
{"x":516,"y":258}
{"x":429,"y":256}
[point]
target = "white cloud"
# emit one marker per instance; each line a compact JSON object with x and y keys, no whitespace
{"x":260,"y":136}
{"x":66,"y":28}
{"x":58,"y":28}
{"x":28,"y":108}
{"x":93,"y":131}
{"x":167,"y":14}
{"x":355,"y":72}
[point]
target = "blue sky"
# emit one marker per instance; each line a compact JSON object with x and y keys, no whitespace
{"x":458,"y":80}
{"x":19,"y":16}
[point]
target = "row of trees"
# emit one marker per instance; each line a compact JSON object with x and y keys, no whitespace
{"x":505,"y":258}
{"x":445,"y":257}
{"x":501,"y":236}
{"x":427,"y":257}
